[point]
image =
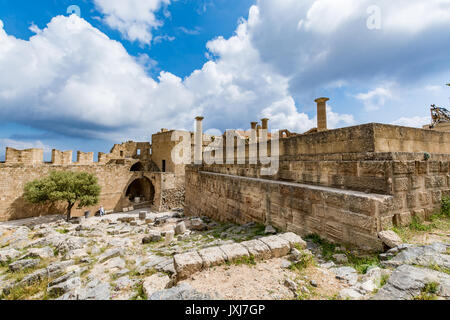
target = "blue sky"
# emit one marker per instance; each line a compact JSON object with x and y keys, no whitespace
{"x":125,"y":69}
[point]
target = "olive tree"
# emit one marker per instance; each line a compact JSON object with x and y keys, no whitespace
{"x":64,"y":186}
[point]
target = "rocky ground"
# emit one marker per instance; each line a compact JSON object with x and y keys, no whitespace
{"x":168,"y":256}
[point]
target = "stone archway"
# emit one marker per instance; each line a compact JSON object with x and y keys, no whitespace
{"x":141,"y":190}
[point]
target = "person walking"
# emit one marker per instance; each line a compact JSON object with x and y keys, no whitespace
{"x":102,"y":211}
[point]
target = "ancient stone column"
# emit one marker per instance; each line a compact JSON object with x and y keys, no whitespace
{"x":265,"y":123}
{"x":253,"y":145}
{"x":322,"y":114}
{"x":198,"y":148}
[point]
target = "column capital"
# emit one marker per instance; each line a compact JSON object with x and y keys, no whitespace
{"x":321,"y":100}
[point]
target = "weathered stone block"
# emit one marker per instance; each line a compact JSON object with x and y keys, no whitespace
{"x":187,"y":264}
{"x":419,"y":215}
{"x":156,"y":282}
{"x":436,"y":196}
{"x":234,"y":251}
{"x":401,"y":184}
{"x":404,"y":167}
{"x":422,"y":167}
{"x":293,"y":239}
{"x":390,"y":238}
{"x":258,"y":249}
{"x":277,"y":245}
{"x":402,"y":219}
{"x":211,"y":257}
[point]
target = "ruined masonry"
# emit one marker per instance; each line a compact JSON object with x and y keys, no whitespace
{"x":132,"y":176}
{"x":346,"y":185}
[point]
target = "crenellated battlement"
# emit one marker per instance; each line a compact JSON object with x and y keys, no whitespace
{"x":29,"y":156}
{"x":35,"y":156}
{"x":61,"y":157}
{"x":85,"y":158}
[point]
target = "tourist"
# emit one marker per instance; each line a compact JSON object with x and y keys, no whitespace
{"x":102,"y":211}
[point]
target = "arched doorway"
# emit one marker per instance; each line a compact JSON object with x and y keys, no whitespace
{"x":141,"y":190}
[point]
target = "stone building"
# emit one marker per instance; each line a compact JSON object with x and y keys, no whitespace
{"x":345,"y":185}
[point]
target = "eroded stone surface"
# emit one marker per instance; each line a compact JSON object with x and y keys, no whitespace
{"x":293,"y":239}
{"x":390,"y":238}
{"x":212,"y":256}
{"x":407,"y":282}
{"x":277,"y":245}
{"x":258,"y":249}
{"x":187,"y":263}
{"x":427,"y":256}
{"x":156,"y":282}
{"x":234,"y":251}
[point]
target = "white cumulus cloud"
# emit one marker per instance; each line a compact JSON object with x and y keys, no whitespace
{"x":134,"y":19}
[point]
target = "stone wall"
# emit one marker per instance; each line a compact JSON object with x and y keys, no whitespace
{"x":114,"y":179}
{"x":127,"y":150}
{"x":338,"y":215}
{"x":397,"y":172}
{"x":372,"y":137}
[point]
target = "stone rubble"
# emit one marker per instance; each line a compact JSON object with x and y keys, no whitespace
{"x":111,"y":257}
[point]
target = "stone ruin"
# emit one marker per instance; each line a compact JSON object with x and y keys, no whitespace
{"x":346,"y":185}
{"x":132,"y":176}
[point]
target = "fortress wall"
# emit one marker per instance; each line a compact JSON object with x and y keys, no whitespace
{"x":13,"y":178}
{"x":415,"y":189}
{"x":113,"y":178}
{"x":357,"y":139}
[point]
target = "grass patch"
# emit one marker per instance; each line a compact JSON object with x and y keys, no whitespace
{"x":259,"y":230}
{"x":62,"y":231}
{"x":305,"y":261}
{"x":328,"y":248}
{"x":135,"y":274}
{"x":435,"y":267}
{"x":140,"y":294}
{"x":250,"y":261}
{"x":417,"y":225}
{"x":27,"y":292}
{"x":308,"y":295}
{"x":362,"y":264}
{"x":384,"y":280}
{"x":429,"y":292}
{"x":438,"y":222}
